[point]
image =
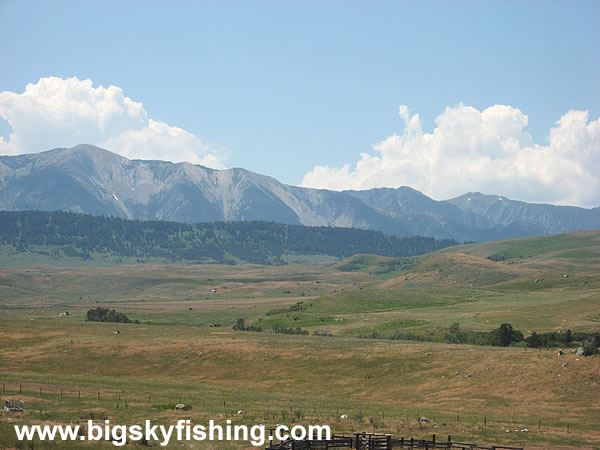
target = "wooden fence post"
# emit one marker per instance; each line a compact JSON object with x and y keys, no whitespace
{"x":20,"y":388}
{"x":79,"y":394}
{"x":98,"y":395}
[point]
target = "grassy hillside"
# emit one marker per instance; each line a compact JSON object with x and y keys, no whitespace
{"x":555,"y":287}
{"x":380,"y":266}
{"x":382,"y":386}
{"x":577,"y":245}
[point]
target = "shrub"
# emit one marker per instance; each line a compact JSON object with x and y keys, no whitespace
{"x":407,"y":336}
{"x":534,"y":340}
{"x":240,"y":325}
{"x":455,"y":335}
{"x":590,"y":347}
{"x":322,"y":333}
{"x":299,"y":306}
{"x":296,"y":330}
{"x":550,"y":339}
{"x":100,"y":314}
{"x":505,"y":335}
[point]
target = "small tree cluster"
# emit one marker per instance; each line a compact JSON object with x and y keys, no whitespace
{"x":100,"y":314}
{"x":505,"y":335}
{"x":551,"y":339}
{"x":296,"y":330}
{"x":240,"y":325}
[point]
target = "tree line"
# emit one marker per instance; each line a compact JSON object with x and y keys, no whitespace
{"x":84,"y":236}
{"x":503,"y":336}
{"x":506,"y":336}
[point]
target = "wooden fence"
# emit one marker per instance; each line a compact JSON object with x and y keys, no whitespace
{"x":370,"y":441}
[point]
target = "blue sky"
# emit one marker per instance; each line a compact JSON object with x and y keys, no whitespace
{"x":282,"y":87}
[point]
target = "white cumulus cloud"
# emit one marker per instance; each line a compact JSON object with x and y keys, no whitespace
{"x":486,"y":151}
{"x":56,"y":112}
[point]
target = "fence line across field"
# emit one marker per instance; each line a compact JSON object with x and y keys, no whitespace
{"x":269,"y":410}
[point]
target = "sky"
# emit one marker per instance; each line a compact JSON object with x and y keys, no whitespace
{"x":499,"y":97}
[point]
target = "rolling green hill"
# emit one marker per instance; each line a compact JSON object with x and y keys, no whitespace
{"x":380,"y":266}
{"x":547,"y":283}
{"x":583,"y":245}
{"x":486,"y":263}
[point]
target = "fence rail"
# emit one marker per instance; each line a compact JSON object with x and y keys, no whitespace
{"x":370,"y":441}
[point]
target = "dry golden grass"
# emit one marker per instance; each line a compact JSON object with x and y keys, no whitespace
{"x":259,"y":372}
{"x":383,"y":385}
{"x":458,"y":269}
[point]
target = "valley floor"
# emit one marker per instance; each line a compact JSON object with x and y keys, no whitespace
{"x":184,"y":349}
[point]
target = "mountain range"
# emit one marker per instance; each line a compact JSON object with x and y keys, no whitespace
{"x":91,"y":180}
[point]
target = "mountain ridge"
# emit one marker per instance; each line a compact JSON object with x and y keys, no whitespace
{"x":91,"y":180}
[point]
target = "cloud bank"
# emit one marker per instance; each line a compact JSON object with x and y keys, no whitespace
{"x":56,"y":112}
{"x":486,"y":151}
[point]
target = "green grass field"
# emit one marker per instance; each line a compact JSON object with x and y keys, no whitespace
{"x":184,"y":348}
